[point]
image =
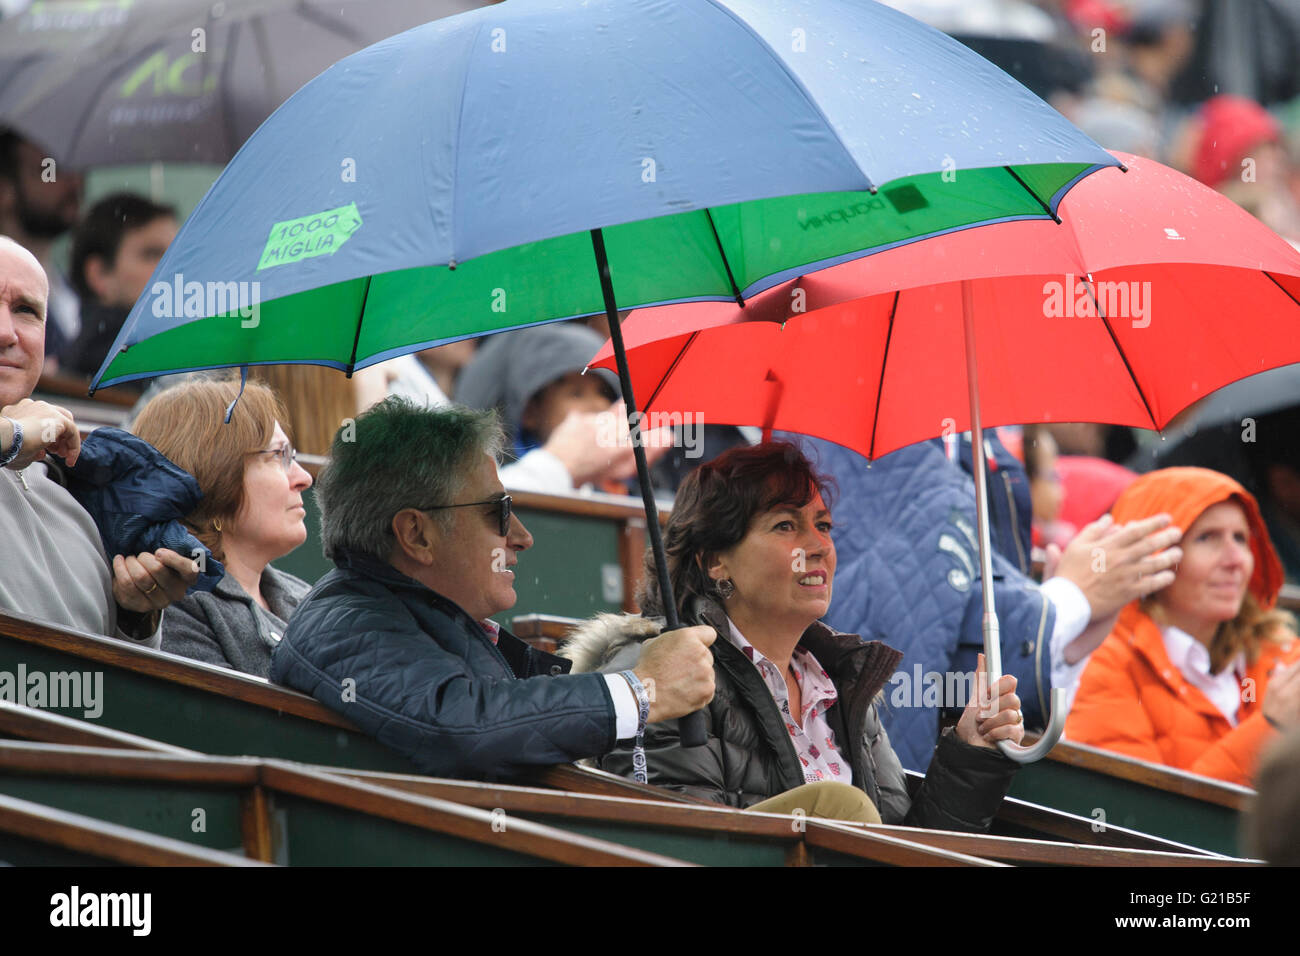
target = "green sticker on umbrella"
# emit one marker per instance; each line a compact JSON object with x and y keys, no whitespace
{"x":318,"y":234}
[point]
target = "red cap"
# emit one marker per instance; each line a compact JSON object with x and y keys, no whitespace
{"x":1231,"y":126}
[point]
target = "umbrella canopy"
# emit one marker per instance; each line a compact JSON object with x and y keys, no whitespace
{"x":1152,"y":292}
{"x":130,"y":81}
{"x":440,"y":184}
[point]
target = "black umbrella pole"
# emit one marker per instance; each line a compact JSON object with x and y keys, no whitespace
{"x":693,"y":728}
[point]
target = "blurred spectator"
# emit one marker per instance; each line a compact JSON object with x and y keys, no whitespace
{"x":428,"y":377}
{"x":1112,"y":442}
{"x":1272,"y":825}
{"x":1274,"y":462}
{"x":39,"y":201}
{"x":1045,"y":488}
{"x":251,"y":514}
{"x":566,"y":430}
{"x":1239,"y":150}
{"x":1089,"y":487}
{"x":115,"y":250}
{"x":317,"y":400}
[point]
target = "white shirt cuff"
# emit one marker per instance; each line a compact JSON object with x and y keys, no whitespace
{"x":539,"y":471}
{"x":626,"y":710}
{"x":1073,"y":612}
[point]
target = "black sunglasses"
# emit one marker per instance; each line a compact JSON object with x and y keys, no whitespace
{"x":503,"y":511}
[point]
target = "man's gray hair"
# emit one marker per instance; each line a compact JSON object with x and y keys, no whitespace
{"x":399,"y":455}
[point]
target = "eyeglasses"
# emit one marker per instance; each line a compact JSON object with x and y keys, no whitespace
{"x":285,"y":453}
{"x":503,"y":511}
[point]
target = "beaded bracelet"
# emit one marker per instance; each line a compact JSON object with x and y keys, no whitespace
{"x":642,"y":718}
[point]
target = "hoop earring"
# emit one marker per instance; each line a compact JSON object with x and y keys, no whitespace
{"x":216,"y":525}
{"x":725,"y":588}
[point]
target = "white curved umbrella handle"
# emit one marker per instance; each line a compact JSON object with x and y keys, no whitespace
{"x":1039,"y":749}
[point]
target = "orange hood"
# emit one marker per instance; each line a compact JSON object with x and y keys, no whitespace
{"x":1185,"y":493}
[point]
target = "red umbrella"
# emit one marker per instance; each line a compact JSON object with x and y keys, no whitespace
{"x":1149,"y":293}
{"x":1192,"y":293}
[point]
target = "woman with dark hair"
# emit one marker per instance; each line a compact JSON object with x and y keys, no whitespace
{"x":796,"y":703}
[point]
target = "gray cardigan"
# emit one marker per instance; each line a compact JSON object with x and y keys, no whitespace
{"x":226,"y":627}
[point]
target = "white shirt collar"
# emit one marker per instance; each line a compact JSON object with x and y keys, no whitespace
{"x":1192,"y":658}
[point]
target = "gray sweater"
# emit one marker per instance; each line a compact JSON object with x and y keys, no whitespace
{"x":52,"y":562}
{"x":227,"y":627}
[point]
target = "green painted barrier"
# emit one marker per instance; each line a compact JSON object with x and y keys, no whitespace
{"x":1117,"y":801}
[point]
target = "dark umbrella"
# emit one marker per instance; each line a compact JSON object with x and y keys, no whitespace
{"x":177,"y":80}
{"x":1247,"y":47}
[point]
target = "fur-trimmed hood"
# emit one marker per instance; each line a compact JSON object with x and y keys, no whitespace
{"x":596,"y":642}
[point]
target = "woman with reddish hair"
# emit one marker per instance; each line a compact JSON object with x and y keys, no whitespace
{"x":1202,"y":674}
{"x":251,"y":514}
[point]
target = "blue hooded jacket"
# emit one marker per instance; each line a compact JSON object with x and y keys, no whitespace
{"x":137,"y":499}
{"x":908,"y":575}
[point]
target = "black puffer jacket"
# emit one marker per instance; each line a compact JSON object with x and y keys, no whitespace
{"x":749,"y":755}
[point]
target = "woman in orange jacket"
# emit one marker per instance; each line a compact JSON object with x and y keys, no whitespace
{"x":1202,"y":674}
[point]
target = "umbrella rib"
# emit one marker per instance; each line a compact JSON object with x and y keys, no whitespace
{"x":361,"y":316}
{"x":880,"y":386}
{"x":1285,"y":292}
{"x":1120,"y":349}
{"x":671,"y":366}
{"x":94,"y":102}
{"x":1025,"y":186}
{"x":226,"y":118}
{"x":735,"y":290}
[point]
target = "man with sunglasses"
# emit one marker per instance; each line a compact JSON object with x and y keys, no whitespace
{"x":399,"y":637}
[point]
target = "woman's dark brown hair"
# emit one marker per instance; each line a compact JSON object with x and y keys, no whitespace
{"x":715,"y":506}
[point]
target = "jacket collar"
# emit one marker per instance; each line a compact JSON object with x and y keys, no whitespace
{"x":1143,"y":634}
{"x":512,"y":648}
{"x":858,"y":667}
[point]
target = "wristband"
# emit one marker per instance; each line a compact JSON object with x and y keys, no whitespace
{"x":642,"y":718}
{"x":12,"y":453}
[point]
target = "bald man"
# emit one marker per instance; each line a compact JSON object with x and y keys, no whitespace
{"x":52,"y":563}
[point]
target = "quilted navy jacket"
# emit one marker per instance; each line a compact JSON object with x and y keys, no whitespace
{"x":415,"y":671}
{"x":908,"y":575}
{"x":138,"y":498}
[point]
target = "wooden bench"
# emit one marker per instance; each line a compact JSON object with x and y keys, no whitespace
{"x":32,"y":834}
{"x":1021,"y":818}
{"x":191,"y":705}
{"x":309,"y":815}
{"x":288,"y":813}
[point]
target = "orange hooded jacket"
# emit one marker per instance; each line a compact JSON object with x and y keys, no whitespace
{"x":1133,"y":700}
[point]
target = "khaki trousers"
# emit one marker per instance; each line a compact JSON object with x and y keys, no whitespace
{"x":828,"y":799}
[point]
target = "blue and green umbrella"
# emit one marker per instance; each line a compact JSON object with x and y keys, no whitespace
{"x":541,"y":160}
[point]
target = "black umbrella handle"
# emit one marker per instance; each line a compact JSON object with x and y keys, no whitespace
{"x":693,"y":728}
